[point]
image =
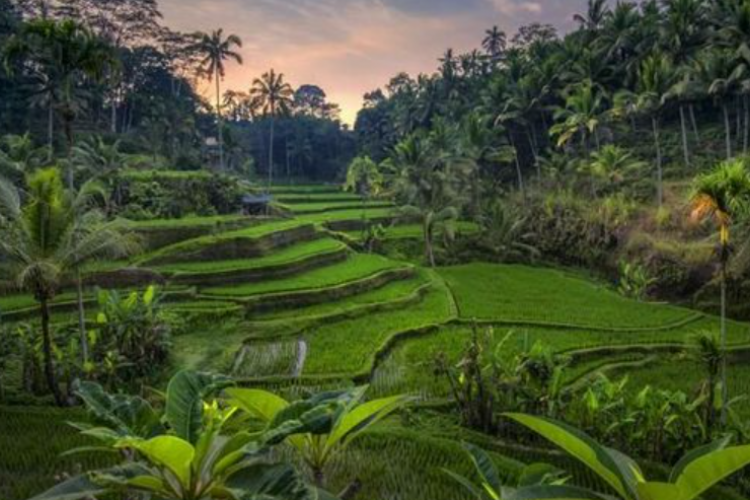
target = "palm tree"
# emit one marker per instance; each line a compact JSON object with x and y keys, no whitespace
{"x":214,"y":48}
{"x":612,"y":163}
{"x":494,"y":43}
{"x":708,"y":352}
{"x":719,"y":73}
{"x":720,"y":195}
{"x":63,"y":53}
{"x":581,"y":115}
{"x":273,"y":96}
{"x":427,"y":185}
{"x":655,"y":79}
{"x":47,"y":239}
{"x":596,"y":12}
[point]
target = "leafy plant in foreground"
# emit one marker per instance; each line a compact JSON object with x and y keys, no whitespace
{"x":350,"y":417}
{"x":195,"y":455}
{"x":536,"y":481}
{"x":697,"y":472}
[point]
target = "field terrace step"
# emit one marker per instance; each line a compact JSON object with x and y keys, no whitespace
{"x":23,"y":307}
{"x":159,"y":233}
{"x":291,"y":260}
{"x":245,"y":243}
{"x":291,"y":323}
{"x":358,"y":274}
{"x":333,"y":206}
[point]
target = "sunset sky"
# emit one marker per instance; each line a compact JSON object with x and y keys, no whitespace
{"x":349,"y":47}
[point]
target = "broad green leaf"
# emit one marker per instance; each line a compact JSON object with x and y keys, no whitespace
{"x":553,"y":492}
{"x":150,"y":483}
{"x":658,"y":491}
{"x":539,"y":473}
{"x":693,"y":455}
{"x":262,"y":404}
{"x":579,"y":445}
{"x":185,"y":394}
{"x":72,"y":489}
{"x":363,"y":416}
{"x":268,"y":482}
{"x":486,"y":469}
{"x":170,"y":452}
{"x":711,"y":468}
{"x":468,"y":485}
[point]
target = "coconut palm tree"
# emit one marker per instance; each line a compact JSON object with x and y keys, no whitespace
{"x":214,"y":49}
{"x":47,"y":239}
{"x":427,"y":185}
{"x":596,"y":13}
{"x":581,"y":115}
{"x":494,"y":43}
{"x":274,"y":96}
{"x":62,"y":52}
{"x":611,"y":165}
{"x":719,"y":196}
{"x":655,"y":79}
{"x":719,"y":73}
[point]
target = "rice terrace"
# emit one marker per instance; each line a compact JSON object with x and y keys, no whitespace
{"x":504,"y":255}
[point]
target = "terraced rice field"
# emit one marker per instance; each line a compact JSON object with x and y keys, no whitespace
{"x":284,"y":304}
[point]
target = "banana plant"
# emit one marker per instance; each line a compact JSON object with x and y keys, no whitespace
{"x":350,"y":417}
{"x":693,"y":475}
{"x":193,"y":455}
{"x":535,"y":481}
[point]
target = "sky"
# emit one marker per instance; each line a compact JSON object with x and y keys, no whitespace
{"x":350,"y":47}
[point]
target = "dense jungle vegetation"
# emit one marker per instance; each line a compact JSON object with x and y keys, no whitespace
{"x":524,"y":276}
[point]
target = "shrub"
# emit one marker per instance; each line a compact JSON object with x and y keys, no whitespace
{"x":173,"y":194}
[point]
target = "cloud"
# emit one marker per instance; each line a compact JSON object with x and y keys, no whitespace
{"x":514,"y":6}
{"x":350,"y":47}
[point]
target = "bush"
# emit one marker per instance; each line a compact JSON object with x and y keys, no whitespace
{"x":173,"y":194}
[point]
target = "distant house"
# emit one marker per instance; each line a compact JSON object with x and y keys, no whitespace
{"x":255,"y":204}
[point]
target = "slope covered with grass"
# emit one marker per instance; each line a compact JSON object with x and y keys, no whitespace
{"x":515,"y":293}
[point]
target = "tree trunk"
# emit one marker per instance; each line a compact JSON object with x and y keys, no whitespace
{"x":82,"y":319}
{"x":659,"y":174}
{"x":428,"y":245}
{"x":518,"y":162}
{"x":219,"y":123}
{"x":49,"y":367}
{"x":270,"y":153}
{"x":683,"y":126}
{"x":747,"y":125}
{"x":727,"y":130}
{"x":534,"y":153}
{"x":723,"y":338}
{"x":69,"y":139}
{"x":694,"y":122}
{"x":113,"y":112}
{"x":51,"y":131}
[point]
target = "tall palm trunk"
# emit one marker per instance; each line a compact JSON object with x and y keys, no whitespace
{"x":219,"y":122}
{"x":727,"y":130}
{"x":429,"y":251}
{"x":683,"y":127}
{"x":518,"y":162}
{"x":270,"y":151}
{"x":694,"y":123}
{"x":49,"y":367}
{"x":746,"y":132}
{"x":723,"y":339}
{"x":51,"y":130}
{"x":82,"y":318}
{"x":659,"y":174}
